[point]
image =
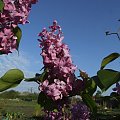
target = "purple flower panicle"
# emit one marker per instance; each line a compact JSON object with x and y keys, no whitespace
{"x":80,"y":112}
{"x":57,"y":60}
{"x":51,"y":115}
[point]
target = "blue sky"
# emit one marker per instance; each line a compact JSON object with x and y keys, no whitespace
{"x":83,"y":22}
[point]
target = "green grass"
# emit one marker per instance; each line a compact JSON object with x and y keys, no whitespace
{"x":28,"y":108}
{"x":110,"y":114}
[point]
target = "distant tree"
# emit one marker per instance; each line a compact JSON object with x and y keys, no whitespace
{"x":10,"y":94}
{"x":114,"y":94}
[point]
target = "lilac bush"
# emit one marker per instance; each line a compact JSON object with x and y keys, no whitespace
{"x":58,"y":82}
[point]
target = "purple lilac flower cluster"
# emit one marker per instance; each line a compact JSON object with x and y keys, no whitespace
{"x":51,"y":115}
{"x":80,"y":112}
{"x":14,"y":12}
{"x":57,"y":60}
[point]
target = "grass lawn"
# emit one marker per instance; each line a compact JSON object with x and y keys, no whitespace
{"x":113,"y":114}
{"x":28,"y":108}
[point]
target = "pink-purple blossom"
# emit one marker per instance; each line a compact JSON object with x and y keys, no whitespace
{"x":7,"y":41}
{"x":57,"y":60}
{"x":55,"y":90}
{"x":14,"y":12}
{"x":51,"y":115}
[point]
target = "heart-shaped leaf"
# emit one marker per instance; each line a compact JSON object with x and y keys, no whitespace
{"x":107,"y":78}
{"x":109,"y":59}
{"x":11,"y":79}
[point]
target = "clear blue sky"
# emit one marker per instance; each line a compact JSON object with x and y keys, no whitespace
{"x":83,"y":22}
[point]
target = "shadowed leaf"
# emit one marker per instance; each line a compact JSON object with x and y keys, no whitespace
{"x":107,"y":78}
{"x":89,"y":102}
{"x":46,"y":102}
{"x":18,"y":33}
{"x":91,"y":87}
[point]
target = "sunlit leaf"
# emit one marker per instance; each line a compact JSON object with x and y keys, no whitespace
{"x":109,"y":59}
{"x":10,"y":79}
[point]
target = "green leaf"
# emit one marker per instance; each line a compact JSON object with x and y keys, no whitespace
{"x":97,"y":81}
{"x":12,"y":76}
{"x":46,"y":102}
{"x":107,"y":78}
{"x":1,"y":5}
{"x":4,"y":85}
{"x":83,"y":75}
{"x":88,"y":100}
{"x":109,"y":59}
{"x":18,"y":33}
{"x":91,"y":86}
{"x":42,"y":76}
{"x":1,"y":53}
{"x":11,"y":79}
